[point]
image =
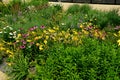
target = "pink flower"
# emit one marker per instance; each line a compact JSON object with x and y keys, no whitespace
{"x":25,"y":35}
{"x":22,"y":47}
{"x":117,"y":28}
{"x":24,"y":42}
{"x":31,"y":43}
{"x":33,"y":28}
{"x":42,"y":27}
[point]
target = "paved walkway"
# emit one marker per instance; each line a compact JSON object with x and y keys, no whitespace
{"x":3,"y":76}
{"x":3,"y":69}
{"x":94,"y":6}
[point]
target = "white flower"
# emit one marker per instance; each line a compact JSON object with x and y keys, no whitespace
{"x":1,"y":32}
{"x":4,"y":28}
{"x":10,"y":37}
{"x":14,"y":36}
{"x":14,"y":32}
{"x":7,"y":26}
{"x":10,"y":28}
{"x":62,"y":23}
{"x":10,"y":33}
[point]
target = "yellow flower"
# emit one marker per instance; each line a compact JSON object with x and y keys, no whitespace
{"x":10,"y":55}
{"x":103,"y":38}
{"x":63,"y":32}
{"x":45,"y":31}
{"x":1,"y":44}
{"x":74,"y":38}
{"x":81,"y":26}
{"x":9,"y":43}
{"x":41,"y":47}
{"x":115,"y":34}
{"x":45,"y":41}
{"x":37,"y":44}
{"x":9,"y":52}
{"x":19,"y":35}
{"x":118,"y":42}
{"x":60,"y":34}
{"x":75,"y":32}
{"x":2,"y":49}
{"x":46,"y":37}
{"x":9,"y":64}
{"x":56,"y":28}
{"x":67,"y":35}
{"x":17,"y":40}
{"x":33,"y":32}
{"x":85,"y":32}
{"x":29,"y":40}
{"x":51,"y":30}
{"x":38,"y":37}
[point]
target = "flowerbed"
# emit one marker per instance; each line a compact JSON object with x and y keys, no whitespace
{"x":49,"y":44}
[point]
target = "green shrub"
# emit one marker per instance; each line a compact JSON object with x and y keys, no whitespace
{"x":19,"y":69}
{"x":73,"y":9}
{"x":113,"y":17}
{"x":92,"y":60}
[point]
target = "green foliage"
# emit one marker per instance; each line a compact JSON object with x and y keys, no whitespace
{"x":73,"y":9}
{"x":88,"y":61}
{"x":113,"y":17}
{"x":19,"y":68}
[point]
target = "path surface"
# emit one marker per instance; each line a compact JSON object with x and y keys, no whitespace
{"x":3,"y":76}
{"x":94,"y":6}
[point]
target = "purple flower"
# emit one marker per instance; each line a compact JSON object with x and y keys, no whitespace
{"x":31,"y":43}
{"x":24,"y":42}
{"x":25,"y":35}
{"x":33,"y":28}
{"x":90,"y":27}
{"x":22,"y":47}
{"x":117,"y":28}
{"x":42,"y":27}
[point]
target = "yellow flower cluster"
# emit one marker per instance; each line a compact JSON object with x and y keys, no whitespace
{"x":5,"y":49}
{"x":43,"y":38}
{"x":89,"y":30}
{"x":118,"y":36}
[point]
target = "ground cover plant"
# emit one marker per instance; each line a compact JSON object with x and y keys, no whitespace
{"x":43,"y":42}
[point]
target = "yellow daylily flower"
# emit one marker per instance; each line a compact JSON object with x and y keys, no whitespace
{"x":45,"y":41}
{"x":9,"y":64}
{"x":37,"y":44}
{"x":2,"y":49}
{"x":46,"y":37}
{"x":29,"y":40}
{"x":41,"y":47}
{"x":75,"y":38}
{"x":51,"y":30}
{"x":118,"y":42}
